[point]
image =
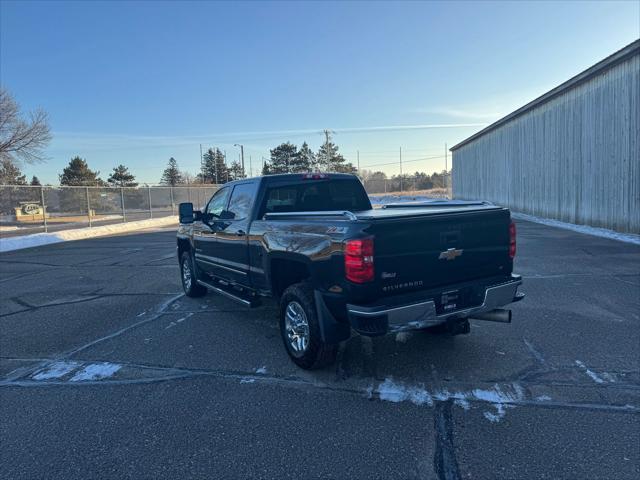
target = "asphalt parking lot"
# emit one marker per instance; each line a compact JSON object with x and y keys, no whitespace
{"x":108,"y":371}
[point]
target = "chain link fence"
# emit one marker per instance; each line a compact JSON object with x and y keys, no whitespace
{"x":439,"y":187}
{"x":33,"y":209}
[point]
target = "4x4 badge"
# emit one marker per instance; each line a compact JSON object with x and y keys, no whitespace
{"x":450,"y":254}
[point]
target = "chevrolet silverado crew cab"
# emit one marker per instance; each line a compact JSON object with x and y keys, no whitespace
{"x":314,"y":243}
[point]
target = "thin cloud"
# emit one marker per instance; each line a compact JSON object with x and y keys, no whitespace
{"x":97,"y":140}
{"x":461,"y":113}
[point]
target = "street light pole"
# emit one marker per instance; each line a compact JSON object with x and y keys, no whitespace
{"x":241,"y":155}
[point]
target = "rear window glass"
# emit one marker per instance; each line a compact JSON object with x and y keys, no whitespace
{"x":316,"y":196}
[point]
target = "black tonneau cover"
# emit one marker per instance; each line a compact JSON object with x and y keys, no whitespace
{"x":420,"y":210}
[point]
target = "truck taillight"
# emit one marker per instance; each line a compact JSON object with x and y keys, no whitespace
{"x":315,"y":176}
{"x":358,"y":260}
{"x":512,"y":240}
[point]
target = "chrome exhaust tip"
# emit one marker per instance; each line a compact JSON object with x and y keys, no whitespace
{"x":498,"y":315}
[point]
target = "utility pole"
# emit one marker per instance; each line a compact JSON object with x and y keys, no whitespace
{"x":400,"y":169}
{"x":326,"y":147}
{"x":201,"y":165}
{"x":446,"y":155}
{"x":250,"y":167}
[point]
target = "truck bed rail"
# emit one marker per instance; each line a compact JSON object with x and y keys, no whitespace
{"x":436,"y":204}
{"x":332,"y":213}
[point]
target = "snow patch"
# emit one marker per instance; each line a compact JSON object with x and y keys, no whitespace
{"x":395,"y":392}
{"x":40,"y":239}
{"x":586,"y":229}
{"x":499,"y":415}
{"x":501,"y":398}
{"x":261,"y":370}
{"x":180,"y":320}
{"x":543,"y":398}
{"x":96,"y":371}
{"x":593,"y":375}
{"x":462,"y":403}
{"x":247,"y":380}
{"x":55,"y":370}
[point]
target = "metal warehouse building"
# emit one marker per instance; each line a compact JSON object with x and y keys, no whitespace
{"x":572,"y":154}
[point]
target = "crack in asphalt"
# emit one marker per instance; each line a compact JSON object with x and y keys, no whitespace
{"x":90,"y":298}
{"x":445,"y":464}
{"x":535,"y":353}
{"x":160,"y":310}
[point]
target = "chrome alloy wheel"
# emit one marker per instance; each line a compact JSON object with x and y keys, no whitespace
{"x":296,"y":327}
{"x":186,"y":275}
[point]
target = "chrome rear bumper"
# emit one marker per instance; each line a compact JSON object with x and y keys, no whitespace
{"x":417,"y":315}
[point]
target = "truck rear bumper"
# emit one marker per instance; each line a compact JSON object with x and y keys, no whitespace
{"x":381,"y":319}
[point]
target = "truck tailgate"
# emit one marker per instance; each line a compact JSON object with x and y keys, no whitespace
{"x":427,"y":248}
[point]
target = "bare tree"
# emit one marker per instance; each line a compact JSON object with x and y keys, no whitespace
{"x":20,"y":138}
{"x":187,"y":178}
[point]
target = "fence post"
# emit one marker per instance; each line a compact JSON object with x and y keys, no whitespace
{"x":124,"y":214}
{"x":44,"y":209}
{"x":173,"y":205}
{"x":150,"y":209}
{"x":88,"y":206}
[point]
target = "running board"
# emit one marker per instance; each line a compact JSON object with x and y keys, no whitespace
{"x":251,"y":303}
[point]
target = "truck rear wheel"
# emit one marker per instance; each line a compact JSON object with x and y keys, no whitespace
{"x":300,"y":329}
{"x":189,"y":277}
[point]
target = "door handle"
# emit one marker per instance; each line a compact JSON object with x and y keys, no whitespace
{"x":240,"y":233}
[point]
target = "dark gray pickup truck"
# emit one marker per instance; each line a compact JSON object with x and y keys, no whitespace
{"x":314,"y":243}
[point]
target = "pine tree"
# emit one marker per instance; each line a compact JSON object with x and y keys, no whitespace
{"x":121,"y":177}
{"x":304,"y":161}
{"x":35,"y":181}
{"x":283,"y":158}
{"x":171,"y":175}
{"x":235,"y":171}
{"x":330,"y":160}
{"x":10,"y":174}
{"x":214,"y":169}
{"x":78,"y":173}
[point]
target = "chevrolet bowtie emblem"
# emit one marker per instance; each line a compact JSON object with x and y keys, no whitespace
{"x":450,"y":254}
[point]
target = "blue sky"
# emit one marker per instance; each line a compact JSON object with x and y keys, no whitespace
{"x":138,"y":82}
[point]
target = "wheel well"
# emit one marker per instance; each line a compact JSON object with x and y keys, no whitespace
{"x":285,"y":273}
{"x":183,"y":246}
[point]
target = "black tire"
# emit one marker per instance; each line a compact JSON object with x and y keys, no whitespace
{"x":191,"y":287}
{"x":316,"y":353}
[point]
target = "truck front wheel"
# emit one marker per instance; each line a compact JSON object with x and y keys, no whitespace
{"x":300,"y":328}
{"x":189,"y":278}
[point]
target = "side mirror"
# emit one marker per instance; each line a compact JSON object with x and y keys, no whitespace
{"x":185,"y":212}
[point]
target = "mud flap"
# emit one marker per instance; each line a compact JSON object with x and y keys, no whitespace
{"x":331,"y":331}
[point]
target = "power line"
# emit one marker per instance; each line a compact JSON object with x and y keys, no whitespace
{"x":404,"y":161}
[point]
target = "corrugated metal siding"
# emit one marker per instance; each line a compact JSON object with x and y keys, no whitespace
{"x":575,"y":158}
